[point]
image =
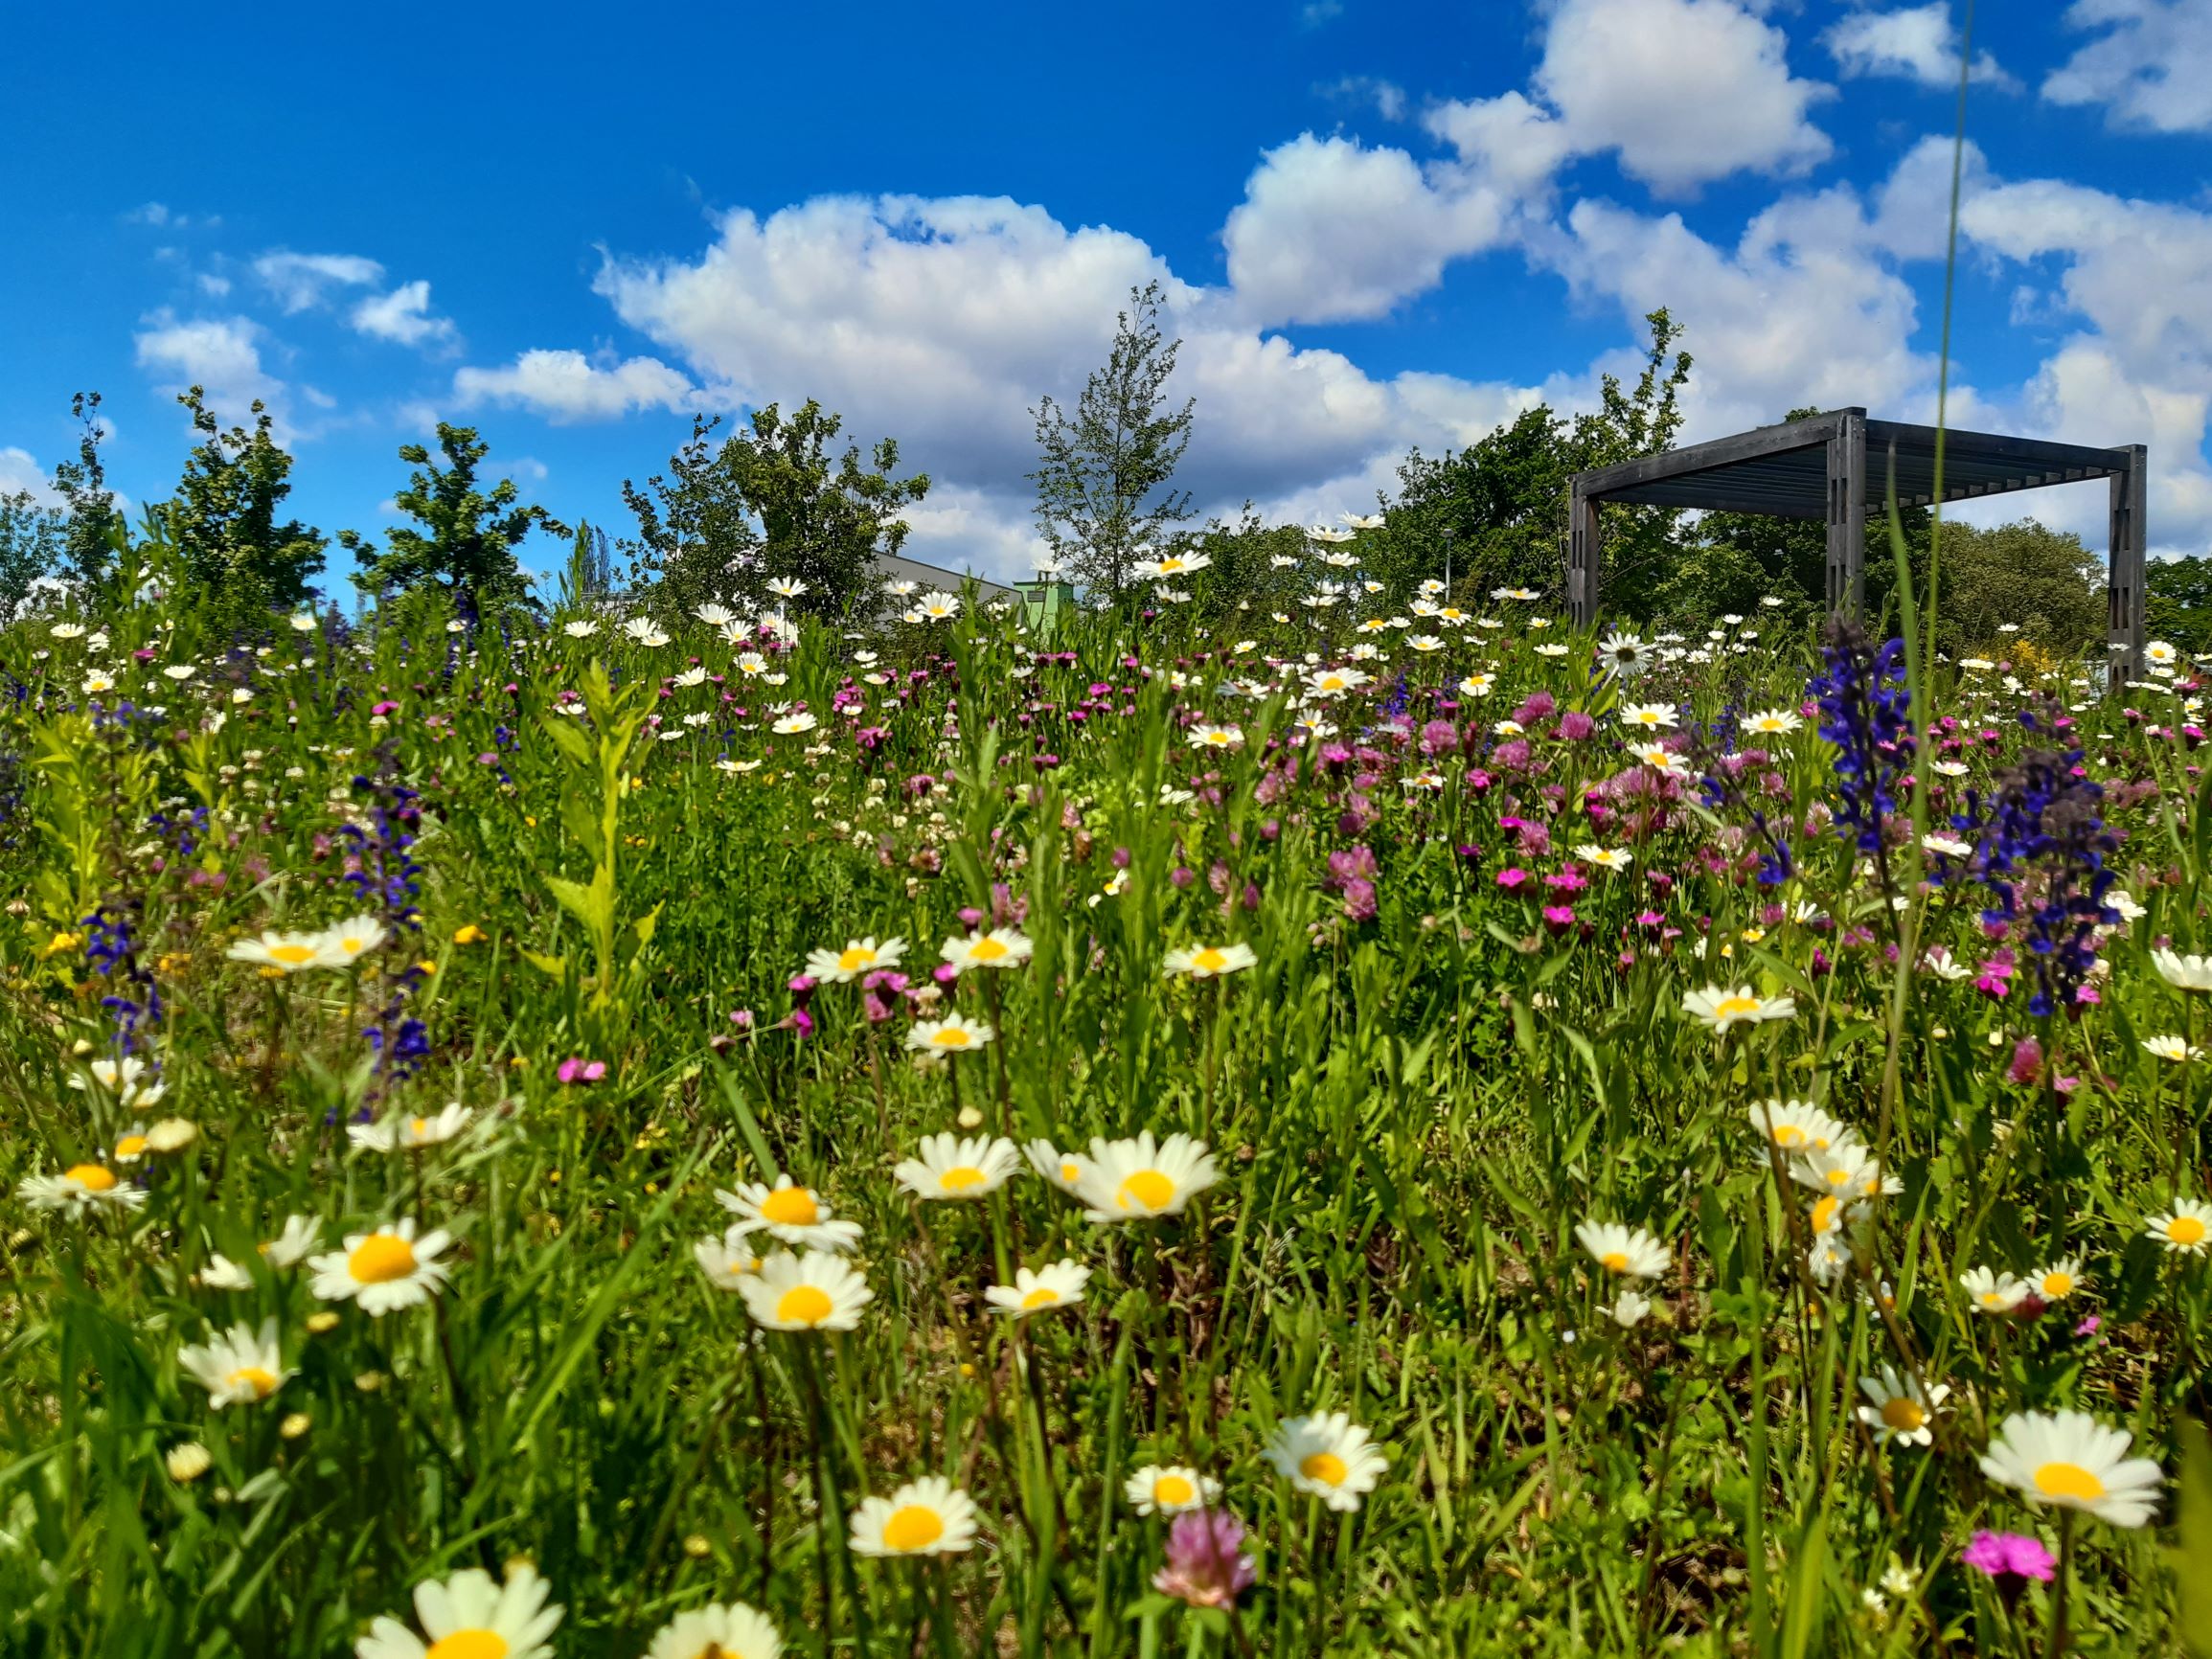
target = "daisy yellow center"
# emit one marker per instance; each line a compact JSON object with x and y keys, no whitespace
{"x":351,"y":944}
{"x":1070,"y":1171}
{"x":1043,"y":1296}
{"x":470,"y":1645}
{"x":293,"y":955}
{"x":263,"y":1383}
{"x":418,"y":1126}
{"x":2058,"y":1285}
{"x":853,"y":958}
{"x":1324,"y":1466}
{"x":379,"y":1258}
{"x":790,"y":1207}
{"x":953,"y":1036}
{"x":1210,"y":960}
{"x":92,"y":1177}
{"x":1903,"y":1415}
{"x":1614,"y":1261}
{"x":1736,"y":1007}
{"x":961,"y":1179}
{"x":2185,"y":1230}
{"x":1146,"y":1189}
{"x":1169,"y":566}
{"x":804,"y":1304}
{"x":130,"y":1146}
{"x":986,"y":949}
{"x":1789,"y":1135}
{"x":1993,"y":1298}
{"x":1838,"y":1177}
{"x":1824,"y":1213}
{"x":916,"y":1527}
{"x":2059,"y":1480}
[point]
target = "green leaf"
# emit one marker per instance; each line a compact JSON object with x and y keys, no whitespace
{"x":2193,"y":1555}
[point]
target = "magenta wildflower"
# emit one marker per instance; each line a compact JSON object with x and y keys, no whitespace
{"x":1205,"y":1566}
{"x":2027,"y":1062}
{"x":2009,"y":1559}
{"x":576,"y":1070}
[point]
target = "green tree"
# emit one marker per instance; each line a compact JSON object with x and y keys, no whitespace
{"x":1243,"y":571}
{"x":224,"y":519}
{"x":1500,"y":507}
{"x":2019,"y":580}
{"x":32,"y":541}
{"x":467,"y":535}
{"x":774,"y":500}
{"x":1105,"y":475}
{"x":94,"y":518}
{"x":2177,"y":599}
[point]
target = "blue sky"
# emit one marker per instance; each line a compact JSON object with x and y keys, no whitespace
{"x":1381,"y":226}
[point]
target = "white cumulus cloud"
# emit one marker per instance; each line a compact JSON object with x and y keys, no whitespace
{"x":402,"y":316}
{"x":2151,"y":66}
{"x":301,"y":282}
{"x":566,"y":386}
{"x":1917,"y":43}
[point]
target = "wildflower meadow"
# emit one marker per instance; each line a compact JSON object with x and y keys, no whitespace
{"x":1389,"y":1126}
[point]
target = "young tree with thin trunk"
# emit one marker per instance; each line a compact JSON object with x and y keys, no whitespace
{"x":1104,"y":474}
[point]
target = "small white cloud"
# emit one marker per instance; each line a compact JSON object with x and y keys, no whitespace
{"x":301,"y":282}
{"x":566,"y":386}
{"x":1387,"y":96}
{"x":221,"y":354}
{"x":402,"y":316}
{"x":150,"y":212}
{"x":21,"y":475}
{"x":2152,"y":68}
{"x":1917,"y":43}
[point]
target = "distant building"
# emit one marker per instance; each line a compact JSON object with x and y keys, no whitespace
{"x":1040,"y":600}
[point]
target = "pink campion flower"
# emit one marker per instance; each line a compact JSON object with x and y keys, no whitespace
{"x":742,"y":1018}
{"x":1205,"y":1563}
{"x":2009,"y":1559}
{"x":2088,"y":1327}
{"x":1511,"y":880}
{"x":1559,"y":918}
{"x":576,"y":1069}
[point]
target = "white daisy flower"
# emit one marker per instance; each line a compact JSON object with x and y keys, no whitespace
{"x":1134,"y":1180}
{"x":389,"y":1268}
{"x":1206,"y":961}
{"x":1058,"y":1285}
{"x":930,"y":1517}
{"x":859,"y":957}
{"x":470,"y":1617}
{"x":1169,"y":1491}
{"x":79,"y":1190}
{"x":791,"y":1214}
{"x":716,"y":1631}
{"x":2070,"y":1460}
{"x":1328,"y":1455}
{"x":1899,"y":1410}
{"x":411,"y":1132}
{"x":947,"y":1166}
{"x":1626,"y":1252}
{"x":816,"y":1291}
{"x":241,"y":1367}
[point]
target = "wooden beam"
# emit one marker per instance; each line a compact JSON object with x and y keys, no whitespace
{"x":2124,"y":577}
{"x":1581,"y":558}
{"x":1847,"y":516}
{"x":1806,"y":433}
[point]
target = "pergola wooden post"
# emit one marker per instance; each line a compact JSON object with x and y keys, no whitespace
{"x":1833,"y":467}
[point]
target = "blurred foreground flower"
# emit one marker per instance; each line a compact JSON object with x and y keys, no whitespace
{"x":2070,"y":1460}
{"x":468,"y":1617}
{"x":716,"y":1631}
{"x":1205,"y":1563}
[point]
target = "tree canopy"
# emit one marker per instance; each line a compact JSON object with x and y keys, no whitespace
{"x":467,"y":535}
{"x":774,"y":500}
{"x":1106,"y":474}
{"x":224,"y":519}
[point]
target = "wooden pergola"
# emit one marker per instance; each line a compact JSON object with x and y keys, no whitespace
{"x":1833,"y":467}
